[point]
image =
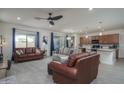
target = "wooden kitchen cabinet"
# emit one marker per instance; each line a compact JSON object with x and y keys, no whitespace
{"x":84,"y":40}
{"x":81,"y":40}
{"x":109,"y":39}
{"x":101,"y":39}
{"x":104,"y":39}
{"x":114,"y":38}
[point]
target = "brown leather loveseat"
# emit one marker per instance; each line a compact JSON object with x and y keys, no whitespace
{"x":79,"y":69}
{"x":26,"y":54}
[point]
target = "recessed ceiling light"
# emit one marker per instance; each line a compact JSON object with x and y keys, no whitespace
{"x":18,"y":18}
{"x":90,"y":9}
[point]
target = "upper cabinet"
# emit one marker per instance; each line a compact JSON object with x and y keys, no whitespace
{"x":109,"y":39}
{"x":115,"y":38}
{"x":104,"y":39}
{"x":84,"y":40}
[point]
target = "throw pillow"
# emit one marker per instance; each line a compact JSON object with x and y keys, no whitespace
{"x":33,"y":50}
{"x":37,"y":51}
{"x":28,"y":50}
{"x":18,"y":52}
{"x":21,"y":52}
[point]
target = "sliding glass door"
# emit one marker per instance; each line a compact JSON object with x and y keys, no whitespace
{"x":20,"y":41}
{"x":25,"y":40}
{"x":59,"y":42}
{"x":31,"y":41}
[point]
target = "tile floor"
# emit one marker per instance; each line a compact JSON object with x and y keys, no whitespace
{"x":35,"y":72}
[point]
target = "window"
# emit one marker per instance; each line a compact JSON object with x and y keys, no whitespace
{"x":25,"y":40}
{"x":59,"y":42}
{"x":20,"y":41}
{"x":30,"y":41}
{"x":56,"y":42}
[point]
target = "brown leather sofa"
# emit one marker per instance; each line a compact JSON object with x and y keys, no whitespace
{"x":80,"y":69}
{"x":27,"y":54}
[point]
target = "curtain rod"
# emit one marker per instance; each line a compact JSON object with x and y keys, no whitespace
{"x":26,"y":30}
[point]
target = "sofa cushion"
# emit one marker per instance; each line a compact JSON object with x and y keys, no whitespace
{"x":37,"y":54}
{"x":23,"y":56}
{"x":31,"y":54}
{"x":33,"y":50}
{"x":73,"y":58}
{"x":28,"y":50}
{"x":71,"y":61}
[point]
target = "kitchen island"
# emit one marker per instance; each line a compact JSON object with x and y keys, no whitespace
{"x":107,"y":56}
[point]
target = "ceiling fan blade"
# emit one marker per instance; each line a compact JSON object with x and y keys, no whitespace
{"x":57,"y":17}
{"x":39,"y":18}
{"x":51,"y":22}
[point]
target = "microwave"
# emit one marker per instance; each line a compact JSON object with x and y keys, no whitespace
{"x":95,"y":41}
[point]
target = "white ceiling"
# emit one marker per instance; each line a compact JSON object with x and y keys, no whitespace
{"x":74,"y":19}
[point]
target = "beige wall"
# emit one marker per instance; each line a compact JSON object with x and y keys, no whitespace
{"x":6,"y":31}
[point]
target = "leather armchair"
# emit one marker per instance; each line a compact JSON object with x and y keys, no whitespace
{"x":84,"y":71}
{"x":64,"y":70}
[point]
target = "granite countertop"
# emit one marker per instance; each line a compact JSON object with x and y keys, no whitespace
{"x":106,"y":50}
{"x":103,"y":49}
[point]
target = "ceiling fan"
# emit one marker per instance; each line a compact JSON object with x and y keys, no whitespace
{"x":50,"y":18}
